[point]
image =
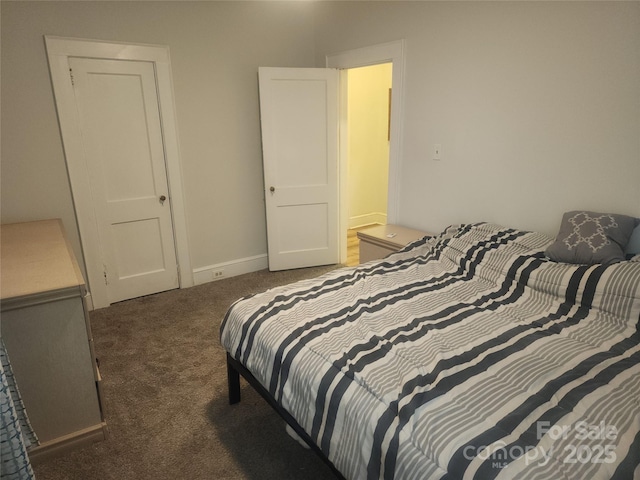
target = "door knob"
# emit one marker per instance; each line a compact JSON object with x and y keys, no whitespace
{"x":162,"y":199}
{"x":272,"y":189}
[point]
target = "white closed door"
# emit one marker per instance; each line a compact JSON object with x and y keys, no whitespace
{"x":120,"y":124}
{"x":299,"y":118}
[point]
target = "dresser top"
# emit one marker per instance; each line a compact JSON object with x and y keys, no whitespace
{"x":36,"y":258}
{"x":392,"y":236}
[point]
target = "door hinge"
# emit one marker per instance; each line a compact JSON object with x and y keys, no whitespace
{"x":104,"y":271}
{"x":73,"y":83}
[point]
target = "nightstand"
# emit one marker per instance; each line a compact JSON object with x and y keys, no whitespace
{"x":378,"y":241}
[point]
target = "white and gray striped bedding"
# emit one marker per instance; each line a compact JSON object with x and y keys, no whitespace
{"x":466,"y":355}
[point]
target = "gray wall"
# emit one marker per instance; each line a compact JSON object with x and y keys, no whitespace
{"x":216,"y":48}
{"x":536,"y":105}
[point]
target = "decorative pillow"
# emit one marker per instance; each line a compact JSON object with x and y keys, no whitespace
{"x":591,"y":237}
{"x":633,"y":247}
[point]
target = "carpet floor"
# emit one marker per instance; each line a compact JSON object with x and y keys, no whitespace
{"x":165,"y":395}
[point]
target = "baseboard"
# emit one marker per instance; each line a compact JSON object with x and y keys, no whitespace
{"x":368,"y":219}
{"x":88,"y":299}
{"x":58,"y":446}
{"x":233,"y":268}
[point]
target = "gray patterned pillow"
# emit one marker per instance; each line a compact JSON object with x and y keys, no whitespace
{"x":591,"y":237}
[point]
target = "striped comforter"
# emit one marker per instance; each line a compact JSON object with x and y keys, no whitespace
{"x":466,"y":355}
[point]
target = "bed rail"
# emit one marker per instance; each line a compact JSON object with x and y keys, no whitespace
{"x":234,"y":370}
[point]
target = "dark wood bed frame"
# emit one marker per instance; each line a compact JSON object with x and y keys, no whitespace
{"x":234,"y":370}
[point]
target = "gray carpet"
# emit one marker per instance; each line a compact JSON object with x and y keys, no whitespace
{"x":165,"y":395}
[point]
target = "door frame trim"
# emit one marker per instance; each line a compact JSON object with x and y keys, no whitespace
{"x":393,"y":52}
{"x":59,"y":49}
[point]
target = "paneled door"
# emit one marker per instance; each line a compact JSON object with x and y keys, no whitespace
{"x":299,"y":117}
{"x":122,"y":143}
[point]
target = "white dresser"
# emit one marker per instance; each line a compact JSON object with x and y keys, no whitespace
{"x":46,"y":330}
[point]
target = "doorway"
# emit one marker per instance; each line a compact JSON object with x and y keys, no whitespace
{"x":96,"y":95}
{"x":387,"y":53}
{"x":369,"y":92}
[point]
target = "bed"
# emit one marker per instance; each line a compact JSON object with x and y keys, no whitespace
{"x":469,"y":354}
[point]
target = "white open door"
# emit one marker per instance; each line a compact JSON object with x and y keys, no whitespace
{"x":299,"y":115}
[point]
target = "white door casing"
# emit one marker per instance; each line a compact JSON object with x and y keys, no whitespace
{"x":299,"y":117}
{"x":88,"y":181}
{"x":122,"y":138}
{"x":392,"y":52}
